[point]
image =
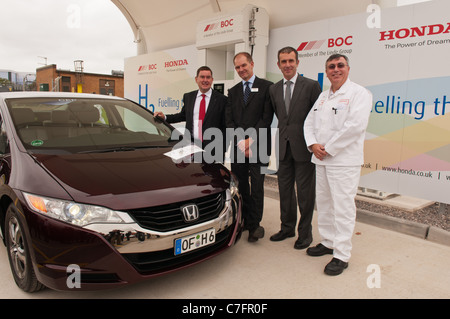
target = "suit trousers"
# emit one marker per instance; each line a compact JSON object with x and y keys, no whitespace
{"x":301,"y":174}
{"x":336,"y":190}
{"x":251,"y":188}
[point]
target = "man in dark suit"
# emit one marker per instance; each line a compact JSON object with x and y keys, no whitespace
{"x":292,"y":99}
{"x":202,"y":109}
{"x":249,"y":113}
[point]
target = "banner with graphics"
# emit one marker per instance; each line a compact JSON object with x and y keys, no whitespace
{"x":158,"y":80}
{"x":401,"y":56}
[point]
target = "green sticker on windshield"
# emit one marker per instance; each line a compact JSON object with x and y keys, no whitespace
{"x":37,"y":143}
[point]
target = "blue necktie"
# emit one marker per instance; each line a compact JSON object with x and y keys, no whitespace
{"x":246,"y":92}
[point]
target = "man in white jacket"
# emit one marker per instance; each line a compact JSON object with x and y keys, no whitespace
{"x":334,"y":132}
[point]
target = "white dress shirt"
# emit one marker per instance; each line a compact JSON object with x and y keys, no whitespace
{"x":293,"y":80}
{"x":197,"y":110}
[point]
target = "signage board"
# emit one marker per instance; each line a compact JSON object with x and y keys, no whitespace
{"x":403,"y":61}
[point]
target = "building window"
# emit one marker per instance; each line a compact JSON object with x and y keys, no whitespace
{"x":65,"y":80}
{"x":107,"y":87}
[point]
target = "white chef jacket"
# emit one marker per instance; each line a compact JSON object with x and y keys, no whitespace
{"x":338,"y":121}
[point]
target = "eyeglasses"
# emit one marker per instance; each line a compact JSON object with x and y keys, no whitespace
{"x":333,"y":66}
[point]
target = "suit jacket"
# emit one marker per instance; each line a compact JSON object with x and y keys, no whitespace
{"x":290,"y":126}
{"x":256,"y":113}
{"x":214,"y":117}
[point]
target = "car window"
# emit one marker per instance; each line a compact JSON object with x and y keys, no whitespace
{"x":85,"y":125}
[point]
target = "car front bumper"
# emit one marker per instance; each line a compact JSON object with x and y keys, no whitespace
{"x":108,"y":255}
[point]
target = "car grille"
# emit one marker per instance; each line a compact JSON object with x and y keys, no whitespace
{"x":159,"y":261}
{"x":169,"y":217}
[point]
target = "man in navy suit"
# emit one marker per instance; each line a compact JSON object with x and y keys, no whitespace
{"x":249,"y":113}
{"x":202,"y":109}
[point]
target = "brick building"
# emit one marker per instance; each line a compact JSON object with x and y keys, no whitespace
{"x":49,"y":78}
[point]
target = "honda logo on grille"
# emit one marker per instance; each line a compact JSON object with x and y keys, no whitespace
{"x":190,"y":212}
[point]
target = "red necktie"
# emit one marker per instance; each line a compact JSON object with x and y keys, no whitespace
{"x":201,"y":116}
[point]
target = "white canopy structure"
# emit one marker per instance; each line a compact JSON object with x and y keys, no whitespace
{"x":160,"y":25}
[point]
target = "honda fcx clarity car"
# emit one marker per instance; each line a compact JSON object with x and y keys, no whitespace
{"x":91,"y":198}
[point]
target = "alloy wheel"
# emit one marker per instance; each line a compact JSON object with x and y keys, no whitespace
{"x":17,"y":248}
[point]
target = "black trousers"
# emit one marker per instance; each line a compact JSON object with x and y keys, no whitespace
{"x":251,"y":188}
{"x":301,"y":174}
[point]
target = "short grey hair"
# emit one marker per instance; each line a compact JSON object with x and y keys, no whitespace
{"x":335,"y":57}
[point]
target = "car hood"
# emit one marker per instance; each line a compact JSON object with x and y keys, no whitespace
{"x":132,"y":179}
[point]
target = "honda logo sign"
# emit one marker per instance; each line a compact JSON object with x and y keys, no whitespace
{"x":190,"y":212}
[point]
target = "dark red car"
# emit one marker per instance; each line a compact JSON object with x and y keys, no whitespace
{"x":94,"y":194}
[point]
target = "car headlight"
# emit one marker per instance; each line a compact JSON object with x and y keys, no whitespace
{"x":71,"y":212}
{"x":234,"y":184}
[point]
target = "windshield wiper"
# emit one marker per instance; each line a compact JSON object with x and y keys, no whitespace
{"x":121,"y":149}
{"x":109,"y":150}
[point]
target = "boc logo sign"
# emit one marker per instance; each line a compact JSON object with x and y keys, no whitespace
{"x":219,"y":25}
{"x":340,"y":41}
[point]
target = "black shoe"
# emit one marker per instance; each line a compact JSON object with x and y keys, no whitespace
{"x":319,"y":250}
{"x":255,"y":234}
{"x":281,"y":236}
{"x":335,"y":267}
{"x":302,"y":243}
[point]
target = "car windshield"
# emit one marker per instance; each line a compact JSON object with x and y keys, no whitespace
{"x":54,"y":125}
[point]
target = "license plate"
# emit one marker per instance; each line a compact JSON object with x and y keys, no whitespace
{"x":194,"y":241}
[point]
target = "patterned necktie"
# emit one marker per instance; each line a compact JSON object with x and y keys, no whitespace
{"x":287,"y":96}
{"x":201,"y":116}
{"x":246,"y":92}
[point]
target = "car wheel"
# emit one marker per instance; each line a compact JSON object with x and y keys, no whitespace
{"x":18,"y":254}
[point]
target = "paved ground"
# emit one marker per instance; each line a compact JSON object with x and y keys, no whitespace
{"x":404,"y":266}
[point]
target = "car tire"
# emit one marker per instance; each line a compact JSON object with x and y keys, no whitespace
{"x":18,"y":253}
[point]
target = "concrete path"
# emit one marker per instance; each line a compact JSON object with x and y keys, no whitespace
{"x":384,"y":264}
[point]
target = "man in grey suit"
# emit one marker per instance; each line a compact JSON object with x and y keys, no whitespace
{"x":292,"y":99}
